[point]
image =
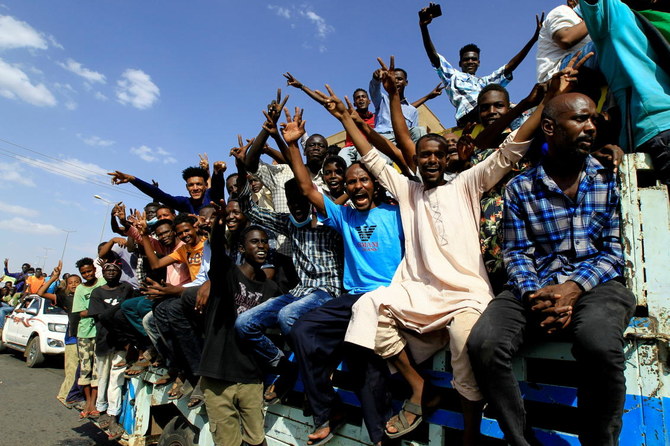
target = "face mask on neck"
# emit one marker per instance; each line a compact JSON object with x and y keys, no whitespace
{"x":152,"y":222}
{"x":300,"y":224}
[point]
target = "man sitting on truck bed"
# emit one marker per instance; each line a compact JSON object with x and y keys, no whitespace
{"x":563,"y":255}
{"x":231,"y":378}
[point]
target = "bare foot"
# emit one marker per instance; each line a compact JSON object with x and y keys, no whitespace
{"x":318,"y":435}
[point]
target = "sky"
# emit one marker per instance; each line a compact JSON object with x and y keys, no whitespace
{"x":88,"y":87}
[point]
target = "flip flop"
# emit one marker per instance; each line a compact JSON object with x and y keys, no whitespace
{"x":105,"y":421}
{"x":177,"y":390}
{"x":401,"y":424}
{"x":115,"y":431}
{"x":195,"y":402}
{"x":137,"y":368}
{"x":324,"y":440}
{"x":334,"y":423}
{"x":280,"y":388}
{"x":94,"y":415}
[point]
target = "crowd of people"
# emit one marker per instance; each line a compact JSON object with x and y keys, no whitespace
{"x":396,"y":245}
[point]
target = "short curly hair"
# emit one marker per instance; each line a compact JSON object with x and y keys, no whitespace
{"x":191,"y":172}
{"x":470,"y":47}
{"x":83,"y":262}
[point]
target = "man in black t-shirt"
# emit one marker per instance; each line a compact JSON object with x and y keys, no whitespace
{"x":109,"y":350}
{"x":231,"y":378}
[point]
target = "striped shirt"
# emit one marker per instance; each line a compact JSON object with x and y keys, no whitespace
{"x":317,"y":252}
{"x":463,"y":88}
{"x":550,"y":239}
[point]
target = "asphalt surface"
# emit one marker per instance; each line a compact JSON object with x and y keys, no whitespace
{"x":30,"y":414}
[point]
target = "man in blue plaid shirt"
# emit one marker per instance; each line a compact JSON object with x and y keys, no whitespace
{"x":563,"y":255}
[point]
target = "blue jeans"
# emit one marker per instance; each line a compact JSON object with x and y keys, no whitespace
{"x":4,"y":311}
{"x":591,"y":63}
{"x":283,"y":311}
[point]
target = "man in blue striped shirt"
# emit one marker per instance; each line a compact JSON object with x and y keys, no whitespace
{"x":563,"y":255}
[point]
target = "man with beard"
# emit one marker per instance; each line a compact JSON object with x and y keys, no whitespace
{"x":563,"y":254}
{"x":440,"y":288}
{"x":373,"y":247}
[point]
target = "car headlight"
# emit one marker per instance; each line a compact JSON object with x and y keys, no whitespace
{"x":58,"y":328}
{"x":55,"y":342}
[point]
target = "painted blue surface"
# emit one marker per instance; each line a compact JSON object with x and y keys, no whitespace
{"x":127,"y":417}
{"x":643,"y":420}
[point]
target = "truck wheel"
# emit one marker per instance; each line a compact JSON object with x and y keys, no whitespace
{"x":178,"y":432}
{"x":34,"y":356}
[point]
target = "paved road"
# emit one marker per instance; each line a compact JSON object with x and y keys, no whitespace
{"x":30,"y":414}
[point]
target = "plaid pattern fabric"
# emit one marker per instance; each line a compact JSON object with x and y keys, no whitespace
{"x":463,"y":88}
{"x":549,"y":239}
{"x":317,"y":252}
{"x":275,"y":176}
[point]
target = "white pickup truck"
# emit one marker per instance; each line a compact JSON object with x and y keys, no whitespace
{"x":37,"y":328}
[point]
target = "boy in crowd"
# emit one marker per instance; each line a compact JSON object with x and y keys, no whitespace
{"x":196,"y":185}
{"x":34,"y":282}
{"x":231,"y":379}
{"x":317,"y":256}
{"x":463,"y":87}
{"x":109,"y":345}
{"x":88,"y":373}
{"x":21,"y":277}
{"x":63,"y":298}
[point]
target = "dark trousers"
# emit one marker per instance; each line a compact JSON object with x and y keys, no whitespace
{"x":658,"y":148}
{"x":177,"y":321}
{"x":318,"y":340}
{"x":598,"y":320}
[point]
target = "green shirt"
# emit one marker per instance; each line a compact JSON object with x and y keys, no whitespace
{"x":80,"y":301}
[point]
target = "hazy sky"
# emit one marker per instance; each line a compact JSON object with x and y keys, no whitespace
{"x":143,"y":86}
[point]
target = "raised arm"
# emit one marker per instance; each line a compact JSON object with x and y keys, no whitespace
{"x":424,"y":20}
{"x":435,"y":92}
{"x":292,"y":130}
{"x":560,"y":83}
{"x":521,"y":55}
{"x":378,"y":141}
{"x":293,"y":82}
{"x":55,"y":274}
{"x":118,"y":219}
{"x":218,"y":182}
{"x":154,"y":261}
{"x":253,"y":155}
{"x":107,"y":247}
{"x":177,"y":203}
{"x":400,"y":130}
{"x":203,"y":163}
{"x":274,"y":154}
